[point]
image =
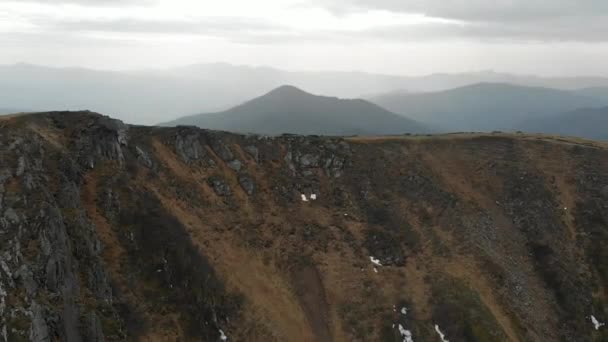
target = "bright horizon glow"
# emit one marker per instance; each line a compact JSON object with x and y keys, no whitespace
{"x":295,"y":35}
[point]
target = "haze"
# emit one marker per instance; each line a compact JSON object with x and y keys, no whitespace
{"x":542,"y":37}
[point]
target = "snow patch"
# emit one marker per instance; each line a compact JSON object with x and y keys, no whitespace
{"x":597,"y":324}
{"x":375,"y":261}
{"x":404,"y":310}
{"x":304,"y":199}
{"x":313,"y":197}
{"x":223,"y":336}
{"x":407,"y":335}
{"x":443,"y":339}
{"x":375,"y":270}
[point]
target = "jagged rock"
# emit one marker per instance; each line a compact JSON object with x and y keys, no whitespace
{"x":221,"y":149}
{"x":116,"y":126}
{"x":11,"y":216}
{"x":236,"y":165}
{"x":98,"y":282}
{"x":309,"y":160}
{"x":20,"y":166}
{"x":25,"y":275}
{"x":54,"y":244}
{"x":604,"y":192}
{"x":254,"y":152}
{"x":70,"y":314}
{"x":189,"y":148}
{"x":289,"y":161}
{"x":143,"y":157}
{"x":95,"y":330}
{"x":219,"y":186}
{"x":39,"y":331}
{"x":247,"y":184}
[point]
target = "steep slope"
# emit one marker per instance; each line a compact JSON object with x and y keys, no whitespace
{"x":591,"y":123}
{"x":115,"y":232}
{"x":485,"y":106}
{"x":290,"y":110}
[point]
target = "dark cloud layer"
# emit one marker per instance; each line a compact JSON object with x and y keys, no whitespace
{"x":536,"y":20}
{"x":483,"y":10}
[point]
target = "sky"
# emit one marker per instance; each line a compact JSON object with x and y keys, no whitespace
{"x":405,"y":37}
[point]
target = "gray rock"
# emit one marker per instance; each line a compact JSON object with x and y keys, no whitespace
{"x":247,"y":184}
{"x":116,"y":126}
{"x":39,"y":331}
{"x":253,"y":152}
{"x":220,"y":149}
{"x":219,"y":186}
{"x":143,"y":157}
{"x":11,"y":216}
{"x":95,"y":330}
{"x":98,"y":282}
{"x":189,"y":148}
{"x":70,"y":314}
{"x":604,"y":192}
{"x":236,"y":165}
{"x":20,"y":166}
{"x":25,"y":275}
{"x":309,"y":160}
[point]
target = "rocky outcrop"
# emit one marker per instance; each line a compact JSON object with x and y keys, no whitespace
{"x":110,"y":232}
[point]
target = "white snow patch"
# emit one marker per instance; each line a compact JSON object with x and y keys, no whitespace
{"x":304,"y":199}
{"x":407,"y":335}
{"x":313,"y":197}
{"x":223,"y":336}
{"x":596,"y":323}
{"x":375,"y":261}
{"x":375,"y":270}
{"x":404,"y":310}
{"x":443,"y":339}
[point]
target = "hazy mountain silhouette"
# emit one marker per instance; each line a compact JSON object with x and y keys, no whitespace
{"x":150,"y":96}
{"x":4,"y":111}
{"x":288,"y":109}
{"x":589,"y":123}
{"x":485,"y":106}
{"x":597,"y":92}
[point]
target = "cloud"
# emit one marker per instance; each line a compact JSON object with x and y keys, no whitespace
{"x":92,"y":3}
{"x":482,"y":10}
{"x":537,"y":20}
{"x":206,"y":25}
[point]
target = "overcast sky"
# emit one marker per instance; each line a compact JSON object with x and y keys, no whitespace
{"x":410,"y":37}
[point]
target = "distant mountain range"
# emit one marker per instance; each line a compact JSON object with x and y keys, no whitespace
{"x":589,"y":123}
{"x":4,"y":111}
{"x":485,"y":106}
{"x":288,"y":109}
{"x":150,"y":96}
{"x":596,"y":92}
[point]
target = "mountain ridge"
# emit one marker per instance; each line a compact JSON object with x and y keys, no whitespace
{"x":119,"y":232}
{"x":288,"y":109}
{"x":150,"y":96}
{"x":485,"y":106}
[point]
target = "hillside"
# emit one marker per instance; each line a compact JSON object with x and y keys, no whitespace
{"x":290,"y":110}
{"x":115,"y":232}
{"x":588,"y":123}
{"x":485,"y":106}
